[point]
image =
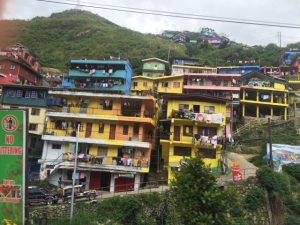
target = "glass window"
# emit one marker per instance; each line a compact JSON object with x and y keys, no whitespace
{"x":101,"y":128}
{"x":135,"y":84}
{"x":176,"y":84}
{"x":102,"y":151}
{"x":182,"y":151}
{"x":34,"y":94}
{"x":125,"y":130}
{"x":188,"y":130}
{"x":165,"y":84}
{"x":27,"y":94}
{"x":33,"y":126}
{"x":56,"y":146}
{"x":207,"y":153}
{"x":209,"y":109}
{"x":19,"y":93}
{"x":145,"y":84}
{"x":35,"y":112}
{"x":183,"y":106}
{"x":107,"y":104}
{"x":12,"y":67}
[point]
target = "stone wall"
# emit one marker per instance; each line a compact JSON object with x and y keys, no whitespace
{"x":46,"y":214}
{"x":260,"y":216}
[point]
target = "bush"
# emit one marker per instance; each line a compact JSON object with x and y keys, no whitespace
{"x":291,"y":220}
{"x":254,"y":199}
{"x":292,"y":170}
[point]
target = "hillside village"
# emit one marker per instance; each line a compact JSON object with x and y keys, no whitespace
{"x":126,"y":126}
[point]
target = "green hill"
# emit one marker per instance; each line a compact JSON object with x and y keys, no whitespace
{"x":81,"y":34}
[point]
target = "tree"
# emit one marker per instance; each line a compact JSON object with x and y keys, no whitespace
{"x":197,"y":196}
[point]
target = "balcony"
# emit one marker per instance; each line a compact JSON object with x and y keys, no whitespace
{"x":206,"y":84}
{"x":97,"y":73}
{"x":213,"y":118}
{"x":102,"y":163}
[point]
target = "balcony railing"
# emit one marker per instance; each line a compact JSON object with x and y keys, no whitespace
{"x":83,"y":133}
{"x":106,"y":111}
{"x":214,"y":118}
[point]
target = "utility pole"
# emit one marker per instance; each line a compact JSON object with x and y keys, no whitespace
{"x":74,"y":174}
{"x":169,"y":51}
{"x":270,"y":144}
{"x":279,"y":38}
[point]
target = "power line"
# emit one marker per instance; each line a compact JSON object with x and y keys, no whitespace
{"x":179,"y":15}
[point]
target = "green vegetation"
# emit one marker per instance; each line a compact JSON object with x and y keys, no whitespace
{"x":293,"y":170}
{"x":197,"y":197}
{"x":81,"y":34}
{"x":254,"y":199}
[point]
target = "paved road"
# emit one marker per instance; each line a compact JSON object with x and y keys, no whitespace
{"x":247,"y":169}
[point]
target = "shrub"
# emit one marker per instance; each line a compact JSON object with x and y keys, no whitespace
{"x":254,"y":199}
{"x":291,"y":220}
{"x":292,"y":170}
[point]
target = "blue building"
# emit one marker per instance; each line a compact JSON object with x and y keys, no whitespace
{"x":111,"y":76}
{"x":288,"y":57}
{"x":243,"y":70}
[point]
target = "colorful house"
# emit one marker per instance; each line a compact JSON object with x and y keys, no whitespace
{"x":192,"y":125}
{"x":217,"y":85}
{"x":263,"y":96}
{"x":109,"y":76}
{"x":34,"y":99}
{"x":14,"y":71}
{"x":115,"y":136}
{"x":146,"y":84}
{"x":154,"y":67}
{"x":243,"y":70}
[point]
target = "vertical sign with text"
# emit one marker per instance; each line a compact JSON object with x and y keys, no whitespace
{"x":12,"y":166}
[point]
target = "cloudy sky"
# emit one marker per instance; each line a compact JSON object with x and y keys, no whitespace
{"x":281,"y":11}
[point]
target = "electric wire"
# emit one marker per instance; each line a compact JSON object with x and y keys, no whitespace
{"x":178,"y":15}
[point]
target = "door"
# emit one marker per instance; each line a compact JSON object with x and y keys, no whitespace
{"x":176,"y":133}
{"x":95,"y":180}
{"x":196,"y":108}
{"x":88,"y":130}
{"x":136,"y":128}
{"x":112,"y":131}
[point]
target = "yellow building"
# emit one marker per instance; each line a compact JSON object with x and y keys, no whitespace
{"x":192,"y":125}
{"x":294,"y":95}
{"x":263,"y":96}
{"x":116,"y":135}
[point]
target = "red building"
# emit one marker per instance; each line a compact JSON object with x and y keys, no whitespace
{"x":14,"y":71}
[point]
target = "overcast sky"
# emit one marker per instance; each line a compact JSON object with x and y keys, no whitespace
{"x":283,"y":11}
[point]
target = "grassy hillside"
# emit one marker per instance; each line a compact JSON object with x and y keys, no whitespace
{"x":81,"y":34}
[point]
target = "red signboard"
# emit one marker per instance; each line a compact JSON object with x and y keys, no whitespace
{"x":236,"y":172}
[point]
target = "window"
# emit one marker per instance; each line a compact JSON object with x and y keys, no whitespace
{"x":27,"y":94}
{"x":225,"y":83}
{"x":207,"y":131}
{"x":196,"y":108}
{"x":33,"y":126}
{"x":176,"y":84}
{"x":2,"y":67}
{"x":165,"y":84}
{"x":35,"y":112}
{"x":209,"y":109}
{"x":107,"y":104}
{"x":102,"y":151}
{"x":12,"y":67}
{"x":101,"y":128}
{"x":19,"y":93}
{"x":183,"y":106}
{"x":145,"y":84}
{"x":125,"y":130}
{"x":188,"y":130}
{"x":34,"y":94}
{"x":11,"y":93}
{"x":207,"y":153}
{"x":13,"y":107}
{"x":135,"y":84}
{"x":182,"y":151}
{"x":56,"y":146}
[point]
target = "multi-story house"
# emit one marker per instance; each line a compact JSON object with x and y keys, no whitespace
{"x":217,"y":85}
{"x":115,"y":135}
{"x":109,"y":76}
{"x":154,"y":67}
{"x":15,"y":71}
{"x":243,"y":70}
{"x":263,"y":96}
{"x":192,"y":125}
{"x":34,"y":99}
